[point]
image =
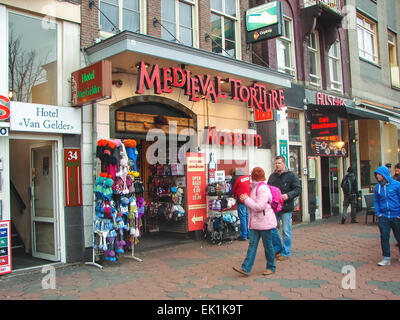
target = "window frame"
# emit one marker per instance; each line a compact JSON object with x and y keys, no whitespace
{"x":142,"y":19}
{"x":373,"y":31}
{"x":290,"y":42}
{"x":194,"y":10}
{"x":236,"y":21}
{"x":393,"y":56}
{"x":336,"y":85}
{"x":317,"y":53}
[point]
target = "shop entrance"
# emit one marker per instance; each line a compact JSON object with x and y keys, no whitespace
{"x":330,"y":186}
{"x":34,"y":213}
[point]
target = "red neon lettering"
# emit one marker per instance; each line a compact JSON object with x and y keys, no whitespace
{"x":4,"y":108}
{"x":179,"y":80}
{"x":144,"y":79}
{"x":167,"y":80}
{"x":234,"y":88}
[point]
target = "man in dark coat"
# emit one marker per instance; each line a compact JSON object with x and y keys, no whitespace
{"x":290,"y":186}
{"x":349,"y":186}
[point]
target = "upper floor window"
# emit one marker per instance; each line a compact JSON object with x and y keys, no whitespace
{"x":32,"y":65}
{"x":285,"y":50}
{"x":367,"y":39}
{"x":177,"y":18}
{"x":335,"y":67}
{"x":314,"y":59}
{"x":224,"y":23}
{"x":120,"y":15}
{"x":393,"y":59}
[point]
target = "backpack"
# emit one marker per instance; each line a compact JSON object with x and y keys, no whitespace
{"x":276,"y":202}
{"x":346,"y":185}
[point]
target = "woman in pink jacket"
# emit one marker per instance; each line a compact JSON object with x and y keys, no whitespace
{"x":262,"y":220}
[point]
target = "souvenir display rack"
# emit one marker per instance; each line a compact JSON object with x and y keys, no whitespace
{"x":119,"y":201}
{"x":222,"y":223}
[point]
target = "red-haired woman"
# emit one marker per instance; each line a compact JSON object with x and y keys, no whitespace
{"x":262,"y":220}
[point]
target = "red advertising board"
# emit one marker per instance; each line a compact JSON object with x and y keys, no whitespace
{"x":5,"y":247}
{"x":73,"y":177}
{"x":196,"y":190}
{"x":261,"y":115}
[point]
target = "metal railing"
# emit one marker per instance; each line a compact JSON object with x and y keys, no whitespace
{"x":333,"y":4}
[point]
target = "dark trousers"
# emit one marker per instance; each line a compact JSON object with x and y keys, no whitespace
{"x":349,"y":200}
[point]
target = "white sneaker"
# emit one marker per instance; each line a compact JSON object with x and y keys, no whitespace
{"x":384,"y":262}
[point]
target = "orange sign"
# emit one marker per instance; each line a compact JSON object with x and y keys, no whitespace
{"x":196,"y":190}
{"x":92,"y":83}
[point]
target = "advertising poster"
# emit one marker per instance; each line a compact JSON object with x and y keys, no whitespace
{"x":5,"y":247}
{"x":196,"y":189}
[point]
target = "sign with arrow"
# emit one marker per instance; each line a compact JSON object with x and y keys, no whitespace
{"x":196,"y":190}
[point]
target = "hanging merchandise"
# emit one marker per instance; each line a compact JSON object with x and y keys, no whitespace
{"x":119,"y":203}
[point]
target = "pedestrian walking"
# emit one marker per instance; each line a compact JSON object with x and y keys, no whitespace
{"x":262,"y":221}
{"x":349,"y":186}
{"x":387,"y":208}
{"x":241,"y":184}
{"x":397,"y":172}
{"x":290,"y":187}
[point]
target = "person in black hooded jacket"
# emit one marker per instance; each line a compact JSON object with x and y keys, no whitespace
{"x":349,"y":186}
{"x":290,"y":187}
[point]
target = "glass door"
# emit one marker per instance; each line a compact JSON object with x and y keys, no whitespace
{"x":295,"y":167}
{"x":43,"y":209}
{"x":334,"y":185}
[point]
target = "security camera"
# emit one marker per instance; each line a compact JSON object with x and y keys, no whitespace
{"x":117,"y":83}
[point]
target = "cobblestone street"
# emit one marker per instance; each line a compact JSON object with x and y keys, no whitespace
{"x":199,"y":270}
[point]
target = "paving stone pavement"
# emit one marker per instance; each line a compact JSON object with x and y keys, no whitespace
{"x":327,"y":260}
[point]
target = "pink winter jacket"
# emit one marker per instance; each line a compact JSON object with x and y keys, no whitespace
{"x":257,"y":204}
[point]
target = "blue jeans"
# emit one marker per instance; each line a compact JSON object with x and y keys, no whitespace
{"x":243,"y":214}
{"x":283,"y":249}
{"x":385,"y":224}
{"x":255,"y":236}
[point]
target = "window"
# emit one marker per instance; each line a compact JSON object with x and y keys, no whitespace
{"x":121,"y":14}
{"x":32,"y":59}
{"x":314,"y":57}
{"x":335,"y":67}
{"x":223,"y":27}
{"x":177,"y":18}
{"x":394,"y":62}
{"x":367,"y":40}
{"x":284,"y":49}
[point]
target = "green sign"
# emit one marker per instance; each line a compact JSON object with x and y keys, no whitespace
{"x":283,"y":149}
{"x":264,"y":22}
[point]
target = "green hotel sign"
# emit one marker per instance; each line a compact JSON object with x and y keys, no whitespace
{"x":264,"y":22}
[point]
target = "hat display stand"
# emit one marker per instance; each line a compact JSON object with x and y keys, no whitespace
{"x":118,"y":196}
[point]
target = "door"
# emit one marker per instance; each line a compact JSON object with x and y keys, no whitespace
{"x":330,"y":186}
{"x":43,"y":207}
{"x":295,"y":167}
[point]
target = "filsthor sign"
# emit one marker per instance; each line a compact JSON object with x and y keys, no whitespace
{"x":164,"y":80}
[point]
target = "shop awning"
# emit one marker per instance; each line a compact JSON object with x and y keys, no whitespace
{"x":348,"y":112}
{"x":126,"y":48}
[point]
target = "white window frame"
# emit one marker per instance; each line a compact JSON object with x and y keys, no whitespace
{"x":291,"y":69}
{"x":362,"y":26}
{"x":336,"y":85}
{"x":142,"y":14}
{"x":194,"y":4}
{"x":315,"y":79}
{"x":236,"y":20}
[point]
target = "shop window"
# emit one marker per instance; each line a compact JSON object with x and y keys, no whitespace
{"x":224,"y":23}
{"x":294,"y":126}
{"x":120,"y":15}
{"x":367,"y":39}
{"x":32,"y":59}
{"x":314,"y":60}
{"x":394,"y":63}
{"x":285,"y":49}
{"x":335,"y":67}
{"x":177,"y":19}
